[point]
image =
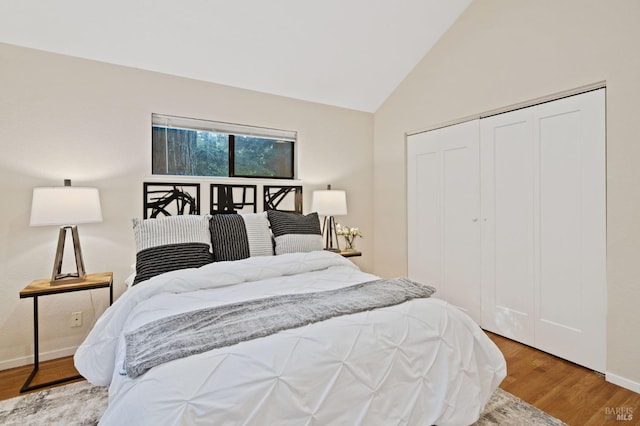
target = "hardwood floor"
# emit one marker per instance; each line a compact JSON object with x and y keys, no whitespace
{"x":565,"y":390}
{"x":573,"y":394}
{"x":12,"y":380}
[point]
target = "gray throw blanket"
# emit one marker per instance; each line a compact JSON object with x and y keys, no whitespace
{"x":202,"y":330}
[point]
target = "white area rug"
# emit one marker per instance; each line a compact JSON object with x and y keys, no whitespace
{"x":75,"y":404}
{"x":83,"y":404}
{"x":505,"y":409}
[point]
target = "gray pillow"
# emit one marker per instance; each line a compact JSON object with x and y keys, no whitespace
{"x":238,"y":236}
{"x":294,"y":232}
{"x":170,"y":257}
{"x":170,"y":235}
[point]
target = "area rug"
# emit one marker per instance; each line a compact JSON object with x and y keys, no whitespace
{"x":75,"y":404}
{"x":83,"y":404}
{"x":506,"y":409}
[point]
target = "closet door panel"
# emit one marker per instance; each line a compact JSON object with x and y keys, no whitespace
{"x":460,"y":239}
{"x":560,"y":218}
{"x":443,"y":206}
{"x":571,"y":298}
{"x":423,"y":209}
{"x":508,"y":225}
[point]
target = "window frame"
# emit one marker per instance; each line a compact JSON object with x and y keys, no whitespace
{"x":231,"y":130}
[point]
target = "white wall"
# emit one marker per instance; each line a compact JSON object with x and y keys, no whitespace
{"x":63,"y":117}
{"x":503,"y":52}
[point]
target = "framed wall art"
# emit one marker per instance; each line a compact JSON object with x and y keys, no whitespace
{"x":170,"y":199}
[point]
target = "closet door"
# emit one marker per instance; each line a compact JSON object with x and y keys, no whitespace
{"x":508,"y":206}
{"x":443,"y":206}
{"x":544,"y":227}
{"x":571,"y":268}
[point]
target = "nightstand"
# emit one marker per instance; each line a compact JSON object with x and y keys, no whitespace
{"x":44,"y":288}
{"x":350,"y":253}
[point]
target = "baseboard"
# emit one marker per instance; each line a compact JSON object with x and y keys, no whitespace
{"x":622,"y":381}
{"x":44,"y":356}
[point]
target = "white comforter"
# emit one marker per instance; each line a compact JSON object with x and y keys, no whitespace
{"x":422,"y":362}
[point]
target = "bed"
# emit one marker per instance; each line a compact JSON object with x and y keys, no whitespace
{"x":422,"y":361}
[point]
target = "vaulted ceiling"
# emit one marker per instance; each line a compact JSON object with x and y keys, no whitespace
{"x":347,"y":53}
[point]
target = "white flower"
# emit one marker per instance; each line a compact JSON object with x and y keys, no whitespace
{"x":348,"y":232}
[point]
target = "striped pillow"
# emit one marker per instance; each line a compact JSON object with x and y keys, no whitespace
{"x":236,"y":237}
{"x":168,"y":243}
{"x":259,"y":234}
{"x":171,"y":230}
{"x":157,"y":260}
{"x":295,"y":233}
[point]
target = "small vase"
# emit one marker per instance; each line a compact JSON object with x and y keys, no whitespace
{"x":349,"y":244}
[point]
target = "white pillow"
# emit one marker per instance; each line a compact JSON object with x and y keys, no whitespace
{"x":294,"y":232}
{"x":171,"y":230}
{"x":258,"y":234}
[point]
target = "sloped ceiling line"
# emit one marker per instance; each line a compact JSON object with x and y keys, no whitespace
{"x":350,"y":54}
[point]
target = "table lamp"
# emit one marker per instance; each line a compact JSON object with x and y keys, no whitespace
{"x":67,"y":206}
{"x":330,"y":203}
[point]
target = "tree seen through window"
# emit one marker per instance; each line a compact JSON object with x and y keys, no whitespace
{"x":191,"y":152}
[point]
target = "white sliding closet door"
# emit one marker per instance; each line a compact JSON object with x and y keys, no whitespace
{"x":571,"y":268}
{"x":507,"y":219}
{"x":544,"y":224}
{"x":443,"y":207}
{"x":508,"y":205}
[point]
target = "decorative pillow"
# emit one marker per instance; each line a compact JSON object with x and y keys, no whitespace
{"x":259,"y":234}
{"x":157,"y":260}
{"x":294,"y":232}
{"x":171,"y":230}
{"x":237,"y":236}
{"x":229,"y":237}
{"x":170,"y":236}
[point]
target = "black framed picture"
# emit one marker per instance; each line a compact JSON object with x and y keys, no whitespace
{"x":283,"y":198}
{"x":170,"y":199}
{"x":232,"y":198}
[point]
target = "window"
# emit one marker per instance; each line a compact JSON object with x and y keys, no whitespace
{"x":191,"y":147}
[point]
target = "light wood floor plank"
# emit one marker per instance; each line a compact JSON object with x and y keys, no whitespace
{"x":574,"y":394}
{"x":12,"y":380}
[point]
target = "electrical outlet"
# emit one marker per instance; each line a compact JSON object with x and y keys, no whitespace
{"x":76,"y":319}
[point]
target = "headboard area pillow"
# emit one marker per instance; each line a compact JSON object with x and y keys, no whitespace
{"x":170,"y":257}
{"x":294,"y":232}
{"x":238,"y":236}
{"x":170,"y":243}
{"x":171,"y":230}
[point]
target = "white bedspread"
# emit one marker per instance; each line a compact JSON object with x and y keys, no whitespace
{"x":421,"y":362}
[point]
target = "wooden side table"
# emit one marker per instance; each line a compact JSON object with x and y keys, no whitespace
{"x":350,"y":253}
{"x":44,"y":288}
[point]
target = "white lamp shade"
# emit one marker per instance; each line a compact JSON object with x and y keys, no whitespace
{"x":67,"y":205}
{"x":329,"y":202}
